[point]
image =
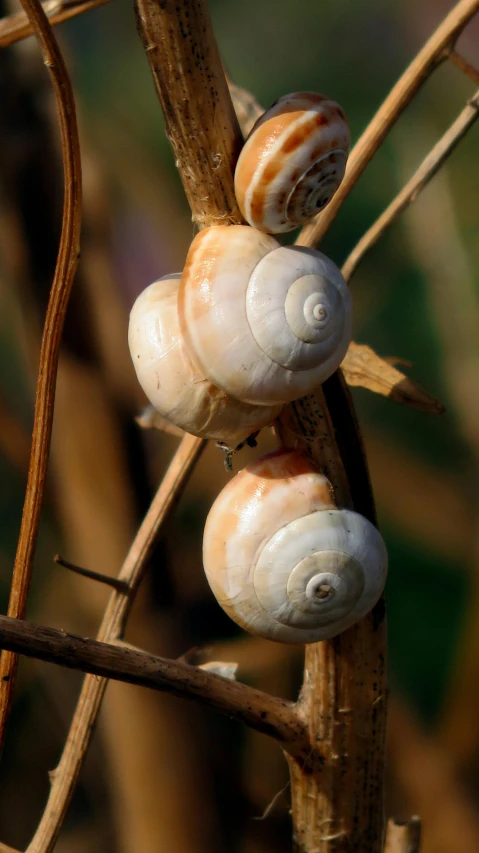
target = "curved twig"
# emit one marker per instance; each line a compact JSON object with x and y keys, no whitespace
{"x":435,"y":51}
{"x":64,"y":779}
{"x":409,"y":193}
{"x":67,"y":261}
{"x":16,"y":27}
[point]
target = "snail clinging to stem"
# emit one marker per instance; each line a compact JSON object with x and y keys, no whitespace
{"x":249,"y":326}
{"x":292,"y":162}
{"x":282,"y":561}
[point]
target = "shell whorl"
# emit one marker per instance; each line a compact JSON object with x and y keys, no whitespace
{"x":282,"y":561}
{"x":292,"y":163}
{"x":266,"y":323}
{"x":171,"y":380}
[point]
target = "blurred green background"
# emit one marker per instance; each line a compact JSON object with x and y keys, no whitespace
{"x":163,"y":775}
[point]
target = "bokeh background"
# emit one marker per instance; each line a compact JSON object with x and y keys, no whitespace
{"x":165,"y":775}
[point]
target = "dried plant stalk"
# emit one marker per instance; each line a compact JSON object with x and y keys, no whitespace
{"x":464,"y":66}
{"x":201,"y":123}
{"x":64,"y":779}
{"x":409,"y":193}
{"x":15,"y":27}
{"x":344,"y":687}
{"x":435,"y":51}
{"x":267,"y":714}
{"x":67,"y":261}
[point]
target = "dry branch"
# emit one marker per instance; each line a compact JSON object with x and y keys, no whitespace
{"x":264,"y":713}
{"x":64,"y":779}
{"x":116,"y":583}
{"x":201,"y":124}
{"x":464,"y":66}
{"x":426,"y":171}
{"x":67,"y":261}
{"x":16,"y":27}
{"x":435,"y":51}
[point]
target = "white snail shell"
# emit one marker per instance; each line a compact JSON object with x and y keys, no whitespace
{"x":282,"y":561}
{"x":174,"y":385}
{"x":250,"y":323}
{"x":292,"y":162}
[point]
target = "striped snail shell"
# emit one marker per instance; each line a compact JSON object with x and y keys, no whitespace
{"x":282,"y":561}
{"x":250,"y":324}
{"x":292,"y":162}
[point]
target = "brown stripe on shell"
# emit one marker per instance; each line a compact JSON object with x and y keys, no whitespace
{"x":265,"y":135}
{"x":282,"y":117}
{"x":297,"y":138}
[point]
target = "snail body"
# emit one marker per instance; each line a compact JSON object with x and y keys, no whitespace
{"x":292,"y":163}
{"x":249,"y":326}
{"x":282,"y":561}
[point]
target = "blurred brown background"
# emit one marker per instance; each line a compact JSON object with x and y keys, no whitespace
{"x":164,"y":775}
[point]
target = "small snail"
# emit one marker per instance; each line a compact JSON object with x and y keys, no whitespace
{"x":282,"y":561}
{"x":249,"y":325}
{"x":292,"y":162}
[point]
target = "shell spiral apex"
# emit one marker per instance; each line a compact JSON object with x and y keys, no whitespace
{"x":282,"y":561}
{"x":293,"y":161}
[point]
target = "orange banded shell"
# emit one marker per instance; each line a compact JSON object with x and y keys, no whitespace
{"x":292,"y":162}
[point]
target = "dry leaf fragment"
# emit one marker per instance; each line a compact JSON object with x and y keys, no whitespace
{"x":362,"y":367}
{"x":246,"y":107}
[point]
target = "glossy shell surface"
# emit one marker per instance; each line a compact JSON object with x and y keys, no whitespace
{"x":176,"y":387}
{"x":292,"y":162}
{"x":282,"y":561}
{"x":266,"y":323}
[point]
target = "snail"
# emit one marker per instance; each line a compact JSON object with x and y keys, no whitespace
{"x":282,"y":561}
{"x":292,"y":162}
{"x":249,"y":326}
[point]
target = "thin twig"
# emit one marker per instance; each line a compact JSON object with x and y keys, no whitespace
{"x":64,"y":778}
{"x":403,"y":837}
{"x":409,"y":193}
{"x":116,"y":583}
{"x":256,"y":709}
{"x":435,"y":51}
{"x":16,"y":27}
{"x":67,"y":261}
{"x":464,"y":66}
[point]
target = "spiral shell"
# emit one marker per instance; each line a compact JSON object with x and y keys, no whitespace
{"x":266,"y":323}
{"x":292,"y":162}
{"x":282,"y":561}
{"x":174,"y":385}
